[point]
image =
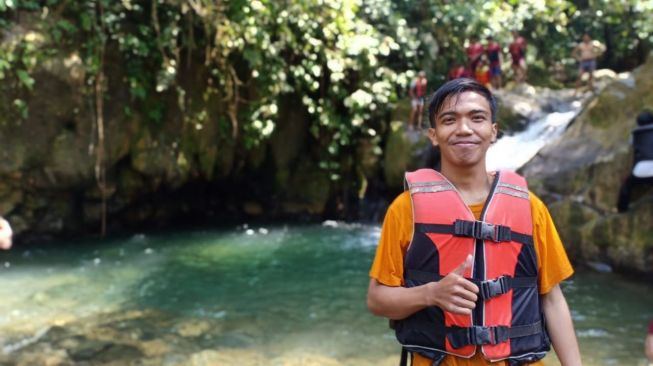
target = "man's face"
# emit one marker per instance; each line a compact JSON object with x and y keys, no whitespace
{"x":464,"y":130}
{"x":587,"y":38}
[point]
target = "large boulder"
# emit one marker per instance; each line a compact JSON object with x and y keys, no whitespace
{"x":580,"y":174}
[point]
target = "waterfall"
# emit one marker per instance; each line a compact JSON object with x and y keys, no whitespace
{"x":511,"y":152}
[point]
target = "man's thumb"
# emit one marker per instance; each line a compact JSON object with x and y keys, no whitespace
{"x":462,"y":268}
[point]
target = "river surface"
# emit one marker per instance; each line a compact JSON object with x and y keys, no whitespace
{"x":249,"y":295}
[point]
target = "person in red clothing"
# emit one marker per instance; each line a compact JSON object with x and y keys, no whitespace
{"x":417,"y":94}
{"x":517,"y":49}
{"x":648,"y":343}
{"x":493,"y":53}
{"x":474,"y":52}
{"x":458,"y":71}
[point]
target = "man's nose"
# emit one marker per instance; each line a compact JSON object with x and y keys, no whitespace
{"x":464,"y":126}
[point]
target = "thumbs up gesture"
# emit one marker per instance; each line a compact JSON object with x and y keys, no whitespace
{"x":454,"y":293}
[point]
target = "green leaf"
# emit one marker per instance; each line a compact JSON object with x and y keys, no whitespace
{"x":25,"y":79}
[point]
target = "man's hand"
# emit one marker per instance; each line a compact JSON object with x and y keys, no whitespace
{"x":454,"y":293}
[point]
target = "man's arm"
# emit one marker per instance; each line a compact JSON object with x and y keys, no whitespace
{"x":574,"y":53}
{"x":453,"y":293}
{"x":561,"y":327}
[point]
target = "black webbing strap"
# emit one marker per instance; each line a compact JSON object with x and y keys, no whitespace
{"x":501,"y":285}
{"x":487,"y":289}
{"x":479,"y":335}
{"x":478,"y":230}
{"x":404,"y":357}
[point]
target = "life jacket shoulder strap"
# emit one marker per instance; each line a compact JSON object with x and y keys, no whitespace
{"x":426,"y":181}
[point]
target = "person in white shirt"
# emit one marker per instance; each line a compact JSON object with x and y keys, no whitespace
{"x":642,"y":172}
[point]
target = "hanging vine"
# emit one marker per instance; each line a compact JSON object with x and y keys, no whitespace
{"x":100,"y":163}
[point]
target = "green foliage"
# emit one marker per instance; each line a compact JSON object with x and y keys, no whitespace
{"x":343,"y":61}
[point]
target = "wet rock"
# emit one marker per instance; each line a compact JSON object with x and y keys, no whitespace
{"x":580,"y":175}
{"x":192,"y":328}
{"x":227,"y":357}
{"x":405,"y":150}
{"x":101,"y":351}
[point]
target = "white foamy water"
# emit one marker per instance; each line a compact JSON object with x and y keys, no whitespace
{"x":511,"y":152}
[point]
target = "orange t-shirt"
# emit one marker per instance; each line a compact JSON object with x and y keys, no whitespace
{"x":397,"y":231}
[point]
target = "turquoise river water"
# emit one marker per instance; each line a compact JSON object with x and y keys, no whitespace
{"x":274,"y":295}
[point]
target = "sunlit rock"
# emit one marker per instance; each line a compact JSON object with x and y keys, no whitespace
{"x":580,"y":175}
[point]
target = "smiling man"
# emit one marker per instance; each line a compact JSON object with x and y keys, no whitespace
{"x":469,"y":262}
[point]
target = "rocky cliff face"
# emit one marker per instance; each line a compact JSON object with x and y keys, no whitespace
{"x":183,"y":164}
{"x":580,"y":174}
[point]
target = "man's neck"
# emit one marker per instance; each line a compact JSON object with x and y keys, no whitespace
{"x":472,"y":184}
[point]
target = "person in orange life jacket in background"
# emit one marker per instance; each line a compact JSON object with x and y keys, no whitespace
{"x":5,"y":234}
{"x":483,"y":72}
{"x":493,"y":53}
{"x":417,"y":94}
{"x":517,"y":50}
{"x":469,"y":262}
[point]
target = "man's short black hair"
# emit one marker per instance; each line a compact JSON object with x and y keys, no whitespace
{"x":645,"y":118}
{"x":456,"y":87}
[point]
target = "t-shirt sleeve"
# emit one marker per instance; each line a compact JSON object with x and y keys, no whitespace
{"x":552,"y":260}
{"x":388,"y":265}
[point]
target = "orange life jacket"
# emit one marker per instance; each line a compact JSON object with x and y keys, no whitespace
{"x":507,"y":322}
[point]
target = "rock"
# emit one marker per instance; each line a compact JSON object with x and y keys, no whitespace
{"x":405,"y":150}
{"x":580,"y":174}
{"x":242,"y":357}
{"x":192,"y":328}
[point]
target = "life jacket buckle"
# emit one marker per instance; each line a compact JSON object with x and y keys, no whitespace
{"x":482,"y":230}
{"x":496,"y":287}
{"x":480,"y":335}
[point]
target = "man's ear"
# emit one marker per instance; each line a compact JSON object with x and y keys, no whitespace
{"x":431,"y":135}
{"x":495,"y":132}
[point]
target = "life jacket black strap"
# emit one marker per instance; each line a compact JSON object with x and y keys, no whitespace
{"x":480,"y":335}
{"x":501,"y":285}
{"x":404,"y":357}
{"x":487,"y":289}
{"x":478,"y":230}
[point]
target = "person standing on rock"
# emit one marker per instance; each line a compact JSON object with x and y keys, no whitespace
{"x":517,"y":50}
{"x":642,"y":172}
{"x":469,"y":262}
{"x":586,"y":53}
{"x":474,"y":52}
{"x":417,"y":94}
{"x":493,"y":53}
{"x":5,"y":234}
